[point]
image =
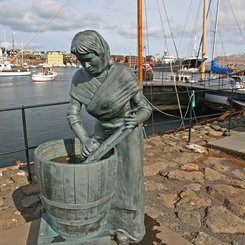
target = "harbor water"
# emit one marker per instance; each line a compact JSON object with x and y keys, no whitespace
{"x":43,"y":123}
{"x":46,"y":123}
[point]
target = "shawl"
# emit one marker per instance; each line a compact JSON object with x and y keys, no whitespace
{"x":104,"y":100}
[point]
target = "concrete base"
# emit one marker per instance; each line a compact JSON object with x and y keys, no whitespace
{"x":47,"y":236}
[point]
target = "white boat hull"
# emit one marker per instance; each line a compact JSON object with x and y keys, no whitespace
{"x":14,"y":73}
{"x":44,"y":78}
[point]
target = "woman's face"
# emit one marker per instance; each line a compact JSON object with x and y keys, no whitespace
{"x":91,"y":63}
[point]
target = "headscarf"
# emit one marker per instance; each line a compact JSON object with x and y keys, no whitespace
{"x":90,"y":41}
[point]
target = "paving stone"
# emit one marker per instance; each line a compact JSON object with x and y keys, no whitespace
{"x":195,"y":176}
{"x":212,"y":175}
{"x":1,"y":201}
{"x":154,"y":186}
{"x":217,"y":164}
{"x":191,"y":201}
{"x":193,"y":187}
{"x":190,"y":167}
{"x":238,"y":174}
{"x":187,"y":157}
{"x":19,"y":179}
{"x":169,"y":200}
{"x":153,"y":169}
{"x":170,"y":237}
{"x":153,"y":213}
{"x":220,"y":220}
{"x":205,"y":239}
{"x":214,"y":133}
{"x":192,"y":218}
{"x":233,"y":198}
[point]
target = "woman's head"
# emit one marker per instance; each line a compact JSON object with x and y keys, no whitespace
{"x":92,"y":51}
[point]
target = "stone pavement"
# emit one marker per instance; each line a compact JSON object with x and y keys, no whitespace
{"x":194,"y":195}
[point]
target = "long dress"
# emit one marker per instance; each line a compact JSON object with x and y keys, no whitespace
{"x":108,"y":101}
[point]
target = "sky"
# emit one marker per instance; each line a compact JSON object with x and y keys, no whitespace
{"x":172,"y":25}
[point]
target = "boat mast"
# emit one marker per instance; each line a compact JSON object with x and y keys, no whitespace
{"x":13,"y":50}
{"x":204,"y":30}
{"x":215,"y":30}
{"x":5,"y":46}
{"x":140,"y":42}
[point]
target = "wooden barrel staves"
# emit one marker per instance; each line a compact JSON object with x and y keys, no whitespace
{"x":76,"y":197}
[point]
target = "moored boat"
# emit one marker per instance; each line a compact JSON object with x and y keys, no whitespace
{"x":47,"y":74}
{"x":8,"y":70}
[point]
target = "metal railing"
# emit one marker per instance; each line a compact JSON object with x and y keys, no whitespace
{"x":25,"y":131}
{"x":188,"y":120}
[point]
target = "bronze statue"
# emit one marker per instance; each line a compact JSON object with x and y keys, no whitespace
{"x":112,"y":94}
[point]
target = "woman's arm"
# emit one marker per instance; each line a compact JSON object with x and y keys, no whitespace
{"x":141,"y":111}
{"x":75,"y":122}
{"x":89,"y":145}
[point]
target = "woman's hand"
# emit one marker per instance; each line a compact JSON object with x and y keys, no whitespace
{"x":130,"y":119}
{"x":89,"y":147}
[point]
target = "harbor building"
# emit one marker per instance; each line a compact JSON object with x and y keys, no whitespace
{"x":55,"y":58}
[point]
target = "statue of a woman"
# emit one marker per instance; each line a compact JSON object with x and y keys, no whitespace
{"x":111,"y":92}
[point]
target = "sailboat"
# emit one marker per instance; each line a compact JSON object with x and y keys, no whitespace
{"x":230,"y":92}
{"x":8,"y":68}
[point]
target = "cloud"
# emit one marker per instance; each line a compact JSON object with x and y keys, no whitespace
{"x":128,"y":31}
{"x":32,"y":18}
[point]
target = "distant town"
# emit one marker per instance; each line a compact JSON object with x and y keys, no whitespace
{"x":65,"y":59}
{"x":55,"y":58}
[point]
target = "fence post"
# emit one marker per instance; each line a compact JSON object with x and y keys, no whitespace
{"x":26,"y":144}
{"x":192,"y":105}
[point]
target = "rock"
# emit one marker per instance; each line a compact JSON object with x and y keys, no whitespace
{"x":190,"y":167}
{"x":192,"y":218}
{"x":170,"y":237}
{"x":232,"y":198}
{"x":147,"y":146}
{"x":30,"y":201}
{"x":187,"y":157}
{"x":212,"y":175}
{"x":1,"y":202}
{"x":205,"y":239}
{"x":5,"y":181}
{"x":169,"y":200}
{"x":157,"y":141}
{"x":227,"y":133}
{"x":220,"y":220}
{"x":19,"y":179}
{"x":153,"y":169}
{"x":190,"y":201}
{"x":154,"y":186}
{"x":215,"y":127}
{"x":182,"y":175}
{"x":197,"y":148}
{"x":153,"y":213}
{"x":193,"y":187}
{"x":217,"y":164}
{"x":214,"y":133}
{"x":237,"y":183}
{"x":238,"y":174}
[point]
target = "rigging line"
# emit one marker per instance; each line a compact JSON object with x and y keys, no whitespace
{"x":146,"y":29}
{"x":164,"y":113}
{"x":170,"y":29}
{"x":44,"y":25}
{"x":236,"y":20}
{"x":185,"y":25}
{"x":163,"y":30}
